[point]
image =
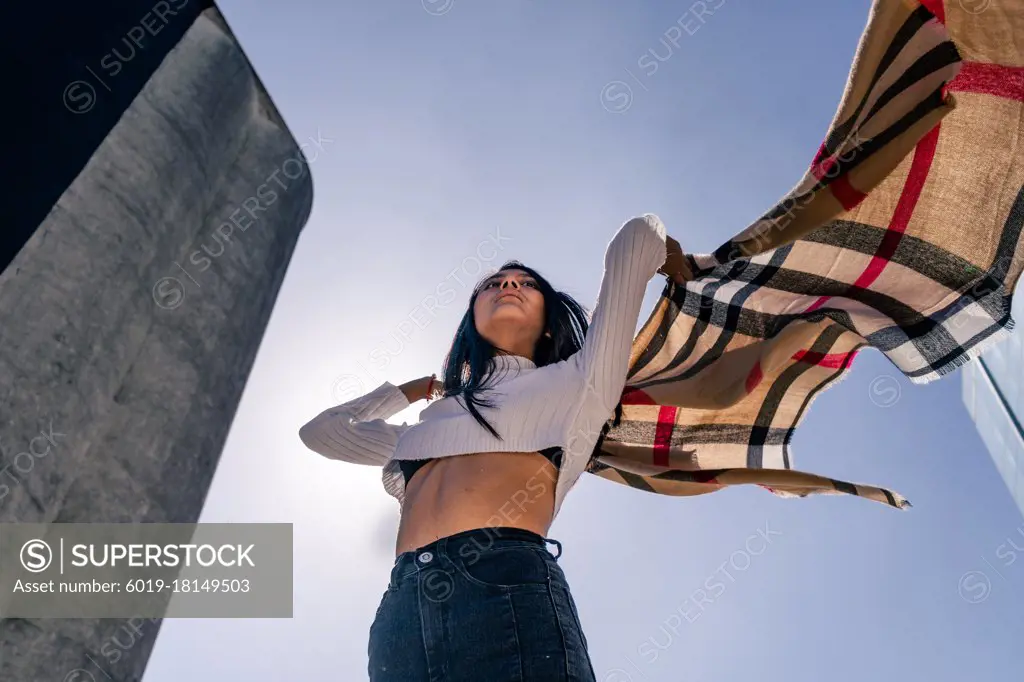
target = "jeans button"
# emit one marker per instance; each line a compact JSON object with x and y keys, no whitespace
{"x":425,"y":557}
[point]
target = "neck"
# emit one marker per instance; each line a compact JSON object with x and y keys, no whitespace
{"x":527,"y":354}
{"x":505,"y":362}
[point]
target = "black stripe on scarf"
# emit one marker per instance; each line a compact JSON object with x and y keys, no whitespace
{"x":910,"y":28}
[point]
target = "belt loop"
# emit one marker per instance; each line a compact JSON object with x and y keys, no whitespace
{"x":441,"y":547}
{"x":559,"y":544}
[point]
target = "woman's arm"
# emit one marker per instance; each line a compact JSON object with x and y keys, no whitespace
{"x":634,"y":255}
{"x":356,"y":431}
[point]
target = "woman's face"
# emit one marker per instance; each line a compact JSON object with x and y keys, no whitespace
{"x":509,"y":310}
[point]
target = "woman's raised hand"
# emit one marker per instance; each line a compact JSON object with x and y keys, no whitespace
{"x":675,"y":266}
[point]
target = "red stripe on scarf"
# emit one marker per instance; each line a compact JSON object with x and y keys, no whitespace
{"x":666,"y":423}
{"x":821,"y":164}
{"x":663,"y":434}
{"x":833,"y":360}
{"x":990,"y":79}
{"x":634,"y":396}
{"x":754,"y":378}
{"x":846,"y":194}
{"x":924,"y":154}
{"x":935,"y":7}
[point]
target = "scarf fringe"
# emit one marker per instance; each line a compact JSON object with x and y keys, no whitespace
{"x":970,"y":355}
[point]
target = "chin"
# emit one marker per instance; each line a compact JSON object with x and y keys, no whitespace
{"x":506,"y":308}
{"x":502,"y":319}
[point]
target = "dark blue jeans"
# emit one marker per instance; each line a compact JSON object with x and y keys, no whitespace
{"x":485,"y":605}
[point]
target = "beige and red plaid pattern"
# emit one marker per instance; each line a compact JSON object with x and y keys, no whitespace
{"x":904,"y":236}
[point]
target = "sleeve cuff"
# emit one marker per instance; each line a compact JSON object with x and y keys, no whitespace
{"x":640,"y":241}
{"x":394,"y":397}
{"x":380,"y":403}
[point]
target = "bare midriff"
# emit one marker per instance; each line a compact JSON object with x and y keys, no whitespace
{"x":482,"y":490}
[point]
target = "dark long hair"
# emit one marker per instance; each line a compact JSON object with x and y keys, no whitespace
{"x":469,"y":365}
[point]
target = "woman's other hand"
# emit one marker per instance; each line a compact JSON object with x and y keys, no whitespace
{"x":416,"y":389}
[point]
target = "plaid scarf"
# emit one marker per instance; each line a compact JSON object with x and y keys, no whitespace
{"x":931,"y":124}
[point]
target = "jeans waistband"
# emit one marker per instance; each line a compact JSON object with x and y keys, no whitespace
{"x":481,"y":539}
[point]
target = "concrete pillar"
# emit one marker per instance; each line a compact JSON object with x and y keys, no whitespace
{"x":130,"y":319}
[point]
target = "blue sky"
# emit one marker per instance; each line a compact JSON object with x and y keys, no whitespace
{"x":462,"y":134}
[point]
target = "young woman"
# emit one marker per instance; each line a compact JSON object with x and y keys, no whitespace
{"x":528,"y":385}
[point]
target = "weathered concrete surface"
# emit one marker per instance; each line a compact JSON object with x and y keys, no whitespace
{"x":140,"y":378}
